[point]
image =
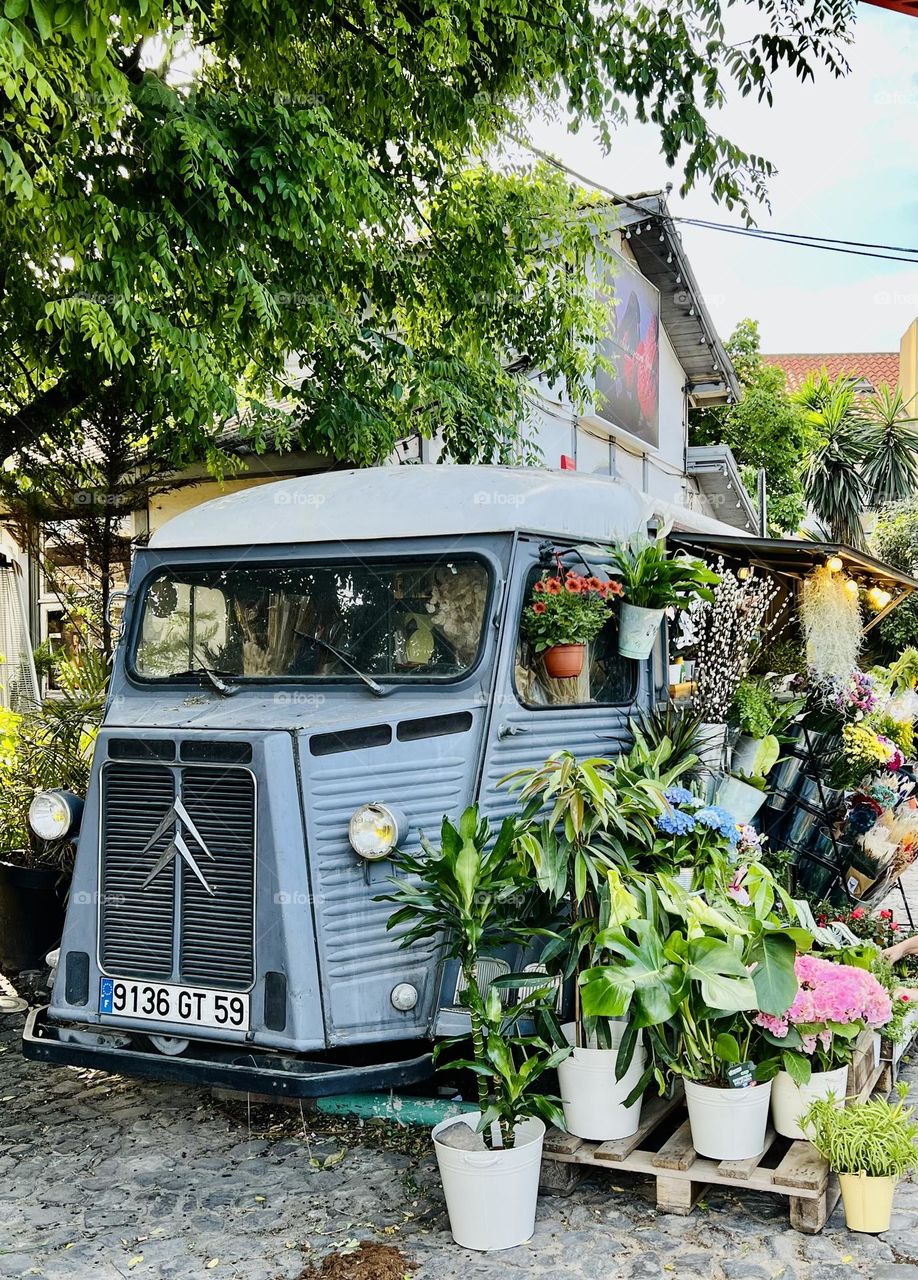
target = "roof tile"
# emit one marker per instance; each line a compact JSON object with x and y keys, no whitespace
{"x":874,"y":366}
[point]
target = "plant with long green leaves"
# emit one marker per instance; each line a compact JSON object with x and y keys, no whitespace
{"x":877,"y":1138}
{"x":690,"y":970}
{"x":834,"y":482}
{"x":651,"y":578}
{"x":469,"y":896}
{"x":890,"y":469}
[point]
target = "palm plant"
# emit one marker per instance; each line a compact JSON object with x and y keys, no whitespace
{"x":50,"y":746}
{"x":471,"y":898}
{"x":834,"y":485}
{"x":891,"y":468}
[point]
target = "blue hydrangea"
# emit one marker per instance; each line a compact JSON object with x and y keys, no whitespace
{"x":676,"y":823}
{"x":678,"y":795}
{"x":717,"y":819}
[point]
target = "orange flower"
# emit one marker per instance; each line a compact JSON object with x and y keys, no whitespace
{"x":539,"y":606}
{"x":539,"y":586}
{"x":594,"y":584}
{"x":574,"y":586}
{"x":553,"y":586}
{"x":613,"y":588}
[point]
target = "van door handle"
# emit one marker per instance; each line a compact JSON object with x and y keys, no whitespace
{"x":510,"y":731}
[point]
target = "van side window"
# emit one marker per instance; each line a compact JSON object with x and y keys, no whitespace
{"x":607,"y":679}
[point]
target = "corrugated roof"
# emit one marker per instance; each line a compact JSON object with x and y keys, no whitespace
{"x":873,"y":366}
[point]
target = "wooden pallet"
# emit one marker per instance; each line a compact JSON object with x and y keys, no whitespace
{"x":662,"y":1147}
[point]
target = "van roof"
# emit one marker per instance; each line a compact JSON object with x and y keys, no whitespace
{"x":414,"y":501}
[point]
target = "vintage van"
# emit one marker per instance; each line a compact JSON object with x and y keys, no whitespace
{"x":311,"y":672}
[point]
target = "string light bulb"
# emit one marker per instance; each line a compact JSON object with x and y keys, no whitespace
{"x":852,"y":587}
{"x":835,"y":564}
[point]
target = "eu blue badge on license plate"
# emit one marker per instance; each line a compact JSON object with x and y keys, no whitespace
{"x":106,"y":992}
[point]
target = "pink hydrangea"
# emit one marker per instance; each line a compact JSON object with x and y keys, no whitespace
{"x":829,"y":993}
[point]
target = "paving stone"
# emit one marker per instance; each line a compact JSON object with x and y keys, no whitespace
{"x":896,"y":1271}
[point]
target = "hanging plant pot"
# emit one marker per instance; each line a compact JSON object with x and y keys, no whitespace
{"x":740,"y":799}
{"x":867,"y":1201}
{"x":593,"y":1100}
{"x":31,"y":914}
{"x":728,"y":1124}
{"x":789,"y":1101}
{"x":564,"y":661}
{"x":637,"y":630}
{"x":491,"y":1195}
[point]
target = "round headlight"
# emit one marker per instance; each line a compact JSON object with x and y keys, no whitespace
{"x":51,"y":814}
{"x":373,"y":831}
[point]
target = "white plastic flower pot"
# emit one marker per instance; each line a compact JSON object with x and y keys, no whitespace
{"x":491,"y":1195}
{"x":593,"y":1100}
{"x":728,"y":1124}
{"x":740,"y":800}
{"x":790,"y":1101}
{"x":638,"y":630}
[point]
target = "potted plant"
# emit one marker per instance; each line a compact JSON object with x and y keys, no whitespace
{"x":869,"y":1145}
{"x":600,"y":807}
{"x":50,"y":747}
{"x":473,"y":899}
{"x":651,"y":583}
{"x":564,"y":614}
{"x":744,"y":794}
{"x":728,"y":633}
{"x":692,"y":972}
{"x":817,"y":1033}
{"x":689,"y":835}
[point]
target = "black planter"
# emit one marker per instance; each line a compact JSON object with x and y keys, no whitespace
{"x":31,"y":914}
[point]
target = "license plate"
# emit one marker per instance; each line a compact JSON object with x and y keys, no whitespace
{"x":162,"y":1002}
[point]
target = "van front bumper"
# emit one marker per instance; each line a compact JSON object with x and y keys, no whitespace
{"x":246,"y":1069}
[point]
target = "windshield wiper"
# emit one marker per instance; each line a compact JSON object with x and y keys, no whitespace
{"x":214,"y":678}
{"x":371,"y":684}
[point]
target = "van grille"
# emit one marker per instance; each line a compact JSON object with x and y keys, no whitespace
{"x":174,"y":929}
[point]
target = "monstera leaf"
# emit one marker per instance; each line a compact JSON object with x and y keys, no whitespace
{"x":722,"y":977}
{"x":773,"y":974}
{"x":641,"y":977}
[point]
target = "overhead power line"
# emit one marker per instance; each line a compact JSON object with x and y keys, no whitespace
{"x":855,"y":248}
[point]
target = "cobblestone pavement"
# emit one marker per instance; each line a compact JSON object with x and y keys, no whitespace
{"x":106,"y":1177}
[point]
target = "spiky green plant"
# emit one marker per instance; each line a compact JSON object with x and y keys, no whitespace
{"x":876,"y":1137}
{"x":834,"y":485}
{"x":891,"y":467}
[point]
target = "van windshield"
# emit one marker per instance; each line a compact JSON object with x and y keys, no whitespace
{"x":404,"y":618}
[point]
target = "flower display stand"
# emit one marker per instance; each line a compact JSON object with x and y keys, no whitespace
{"x":662,"y":1148}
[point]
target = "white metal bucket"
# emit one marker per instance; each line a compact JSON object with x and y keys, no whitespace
{"x":739,"y":799}
{"x":710,"y":749}
{"x":593,"y":1100}
{"x":491,"y":1195}
{"x":728,"y":1124}
{"x":745,"y":750}
{"x":790,"y":1101}
{"x":638,"y":630}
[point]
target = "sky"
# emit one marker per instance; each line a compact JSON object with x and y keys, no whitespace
{"x":847,"y":158}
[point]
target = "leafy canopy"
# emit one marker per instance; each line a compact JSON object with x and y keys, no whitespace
{"x":210,"y":207}
{"x":765,"y":429}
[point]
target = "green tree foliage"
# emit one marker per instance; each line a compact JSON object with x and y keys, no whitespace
{"x":766,"y":429}
{"x":895,"y":540}
{"x":209,"y":205}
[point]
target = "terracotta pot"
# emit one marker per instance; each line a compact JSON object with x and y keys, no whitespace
{"x":564,"y":661}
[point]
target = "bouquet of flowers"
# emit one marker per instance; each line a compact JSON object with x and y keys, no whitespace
{"x":834,"y":1004}
{"x":865,"y":751}
{"x":853,"y":698}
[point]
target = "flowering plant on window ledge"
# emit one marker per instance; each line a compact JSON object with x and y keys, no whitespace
{"x":568,"y":610}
